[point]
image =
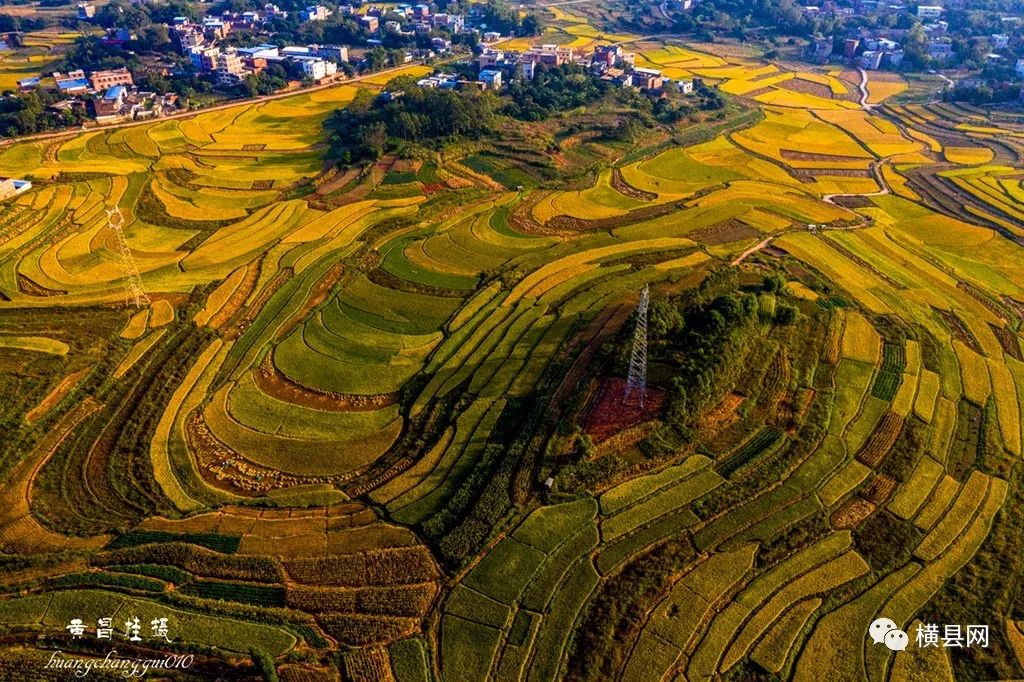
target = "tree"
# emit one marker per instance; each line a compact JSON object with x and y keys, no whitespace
{"x":786,"y":314}
{"x":155,"y":37}
{"x":773,"y":283}
{"x":663,"y":319}
{"x":915,"y":48}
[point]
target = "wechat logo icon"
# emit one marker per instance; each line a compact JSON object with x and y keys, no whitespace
{"x":884,"y":631}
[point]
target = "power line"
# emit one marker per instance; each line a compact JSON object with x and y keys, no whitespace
{"x":133,"y":288}
{"x":637,"y":379}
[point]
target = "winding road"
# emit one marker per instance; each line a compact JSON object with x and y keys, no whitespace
{"x":864,"y":89}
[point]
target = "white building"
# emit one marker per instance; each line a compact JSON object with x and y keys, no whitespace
{"x":10,"y":187}
{"x":491,"y":78}
{"x":929,"y":11}
{"x":315,"y":13}
{"x":265,"y":51}
{"x":317,"y":68}
{"x":1020,"y":68}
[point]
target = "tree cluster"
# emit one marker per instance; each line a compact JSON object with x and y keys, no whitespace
{"x":406,"y":113}
{"x":371,"y":125}
{"x":27,"y":113}
{"x":556,"y":89}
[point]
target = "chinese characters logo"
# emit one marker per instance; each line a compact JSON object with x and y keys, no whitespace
{"x":132,"y":629}
{"x":884,"y":631}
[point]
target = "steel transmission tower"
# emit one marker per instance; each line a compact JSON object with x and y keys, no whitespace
{"x":637,"y":379}
{"x":132,"y":281}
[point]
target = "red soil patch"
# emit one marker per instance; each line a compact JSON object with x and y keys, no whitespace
{"x":612,"y":411}
{"x":434,"y":187}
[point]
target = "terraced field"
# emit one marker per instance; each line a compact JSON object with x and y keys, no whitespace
{"x":353,"y":430}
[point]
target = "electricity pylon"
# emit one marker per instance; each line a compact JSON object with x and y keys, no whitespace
{"x":637,"y":379}
{"x":132,"y":281}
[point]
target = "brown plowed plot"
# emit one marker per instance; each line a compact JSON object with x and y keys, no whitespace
{"x":317,"y":295}
{"x":406,"y":165}
{"x":622,"y":187}
{"x":807,"y":87}
{"x":613,"y":411}
{"x":960,"y":331}
{"x":337,"y":181}
{"x":245,"y":316}
{"x":722,"y":415}
{"x":381,"y":168}
{"x":881,"y":440}
{"x":276,"y":385}
{"x":812,"y":173}
{"x":852,"y":513}
{"x":725,"y":232}
{"x":32,"y":288}
{"x":791,"y":155}
{"x":995,"y":306}
{"x":262,"y":184}
{"x":880,"y":489}
{"x":223,"y":467}
{"x":760,"y":91}
{"x":1015,"y":305}
{"x":604,"y":325}
{"x":238,"y":296}
{"x":1008,"y":340}
{"x":852,"y":201}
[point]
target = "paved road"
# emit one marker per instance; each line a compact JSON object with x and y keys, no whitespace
{"x":187,"y":114}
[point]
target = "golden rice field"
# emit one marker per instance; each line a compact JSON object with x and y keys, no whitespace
{"x":326,"y":433}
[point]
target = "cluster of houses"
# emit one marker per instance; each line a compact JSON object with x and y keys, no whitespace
{"x":612,"y":63}
{"x":232,"y":65}
{"x":875,"y":48}
{"x":868,"y":53}
{"x":109,"y":95}
{"x":416,"y":18}
{"x":200,"y":40}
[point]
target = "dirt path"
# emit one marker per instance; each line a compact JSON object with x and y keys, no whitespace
{"x":876,"y":171}
{"x":864,"y":89}
{"x":752,"y":250}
